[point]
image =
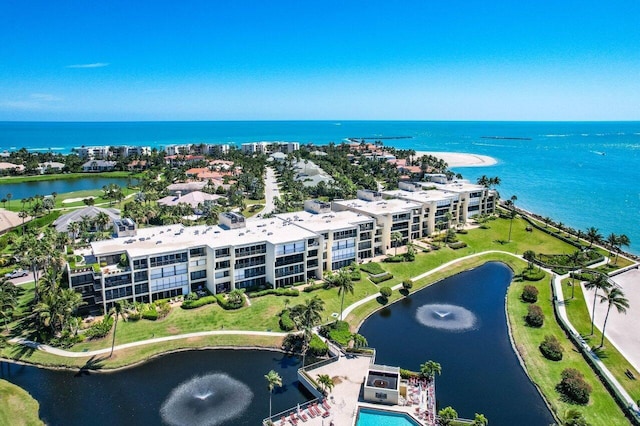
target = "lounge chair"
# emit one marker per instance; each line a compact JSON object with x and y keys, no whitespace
{"x":311,"y":412}
{"x":293,"y":419}
{"x":326,"y":405}
{"x":326,"y":414}
{"x":302,"y":416}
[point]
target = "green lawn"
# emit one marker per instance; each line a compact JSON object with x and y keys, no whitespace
{"x":615,"y":362}
{"x":602,"y":409}
{"x":63,"y":176}
{"x":17,"y":407}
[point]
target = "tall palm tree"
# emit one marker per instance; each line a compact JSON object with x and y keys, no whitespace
{"x":623,"y":241}
{"x":273,"y":380}
{"x":593,"y":235}
{"x":115,"y":312}
{"x":74,"y":228}
{"x":430,"y":368}
{"x":614,"y":297}
{"x":511,"y":203}
{"x":612,"y":240}
{"x":9,"y":197}
{"x":396,"y":239}
{"x":102,"y":220}
{"x":600,"y":282}
{"x":306,"y":316}
{"x":8,"y":300}
{"x":343,"y":281}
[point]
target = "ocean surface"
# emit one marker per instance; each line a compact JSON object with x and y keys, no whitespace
{"x":579,"y":173}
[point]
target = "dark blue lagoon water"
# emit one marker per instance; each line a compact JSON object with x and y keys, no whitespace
{"x":461,"y":323}
{"x":135,"y":396}
{"x":580,"y":173}
{"x":47,"y":187}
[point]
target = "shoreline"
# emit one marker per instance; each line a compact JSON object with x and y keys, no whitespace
{"x":461,"y":159}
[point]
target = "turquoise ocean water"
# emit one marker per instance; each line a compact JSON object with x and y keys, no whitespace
{"x":580,"y":173}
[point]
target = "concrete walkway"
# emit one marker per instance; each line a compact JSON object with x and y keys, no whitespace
{"x":71,"y":354}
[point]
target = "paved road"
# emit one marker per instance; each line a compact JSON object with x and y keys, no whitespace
{"x":271,"y":191}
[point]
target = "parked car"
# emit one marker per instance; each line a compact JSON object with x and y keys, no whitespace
{"x":17,"y":273}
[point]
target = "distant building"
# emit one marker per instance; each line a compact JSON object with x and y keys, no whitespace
{"x":92,"y":152}
{"x":185,"y":187}
{"x":17,"y":168}
{"x":269,"y":147}
{"x":62,"y":223}
{"x":195,"y":199}
{"x":98,"y":166}
{"x":50,"y":167}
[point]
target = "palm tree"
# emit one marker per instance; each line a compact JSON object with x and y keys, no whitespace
{"x":612,"y":240}
{"x":623,"y":241}
{"x":273,"y":380}
{"x":342,"y":280}
{"x":480,"y":420}
{"x":447,"y":415}
{"x":600,"y":282}
{"x":574,"y":417}
{"x":511,"y":204}
{"x":8,"y":300}
{"x":396,"y":239}
{"x":9,"y":197}
{"x":593,"y":235}
{"x":359,"y":340}
{"x":115,"y":312}
{"x":102,"y":220}
{"x":306,"y":316}
{"x":325,"y":382}
{"x":614,"y":297}
{"x":74,"y":228}
{"x":429,"y":369}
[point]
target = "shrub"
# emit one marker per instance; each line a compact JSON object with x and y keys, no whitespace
{"x":317,"y":347}
{"x":289,"y":292}
{"x":286,"y":323}
{"x":356,"y":275}
{"x":196,"y":303}
{"x":385,"y":292}
{"x":314,"y":287}
{"x":533,"y":274}
{"x":339,"y":332}
{"x":381,"y":278}
{"x":535,"y":317}
{"x":573,"y":386}
{"x":372,"y":268}
{"x":164,"y":308}
{"x":150,"y":314}
{"x":551,"y":348}
{"x":191,"y":296}
{"x":407,"y":374}
{"x":230,"y":301}
{"x":394,"y":259}
{"x":100,"y":329}
{"x":407,"y":284}
{"x":457,"y":245}
{"x":530,"y":294}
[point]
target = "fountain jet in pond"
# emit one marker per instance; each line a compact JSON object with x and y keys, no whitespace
{"x":446,"y":317}
{"x":206,"y":400}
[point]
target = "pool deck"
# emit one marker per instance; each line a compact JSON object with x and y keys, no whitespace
{"x":349,"y":373}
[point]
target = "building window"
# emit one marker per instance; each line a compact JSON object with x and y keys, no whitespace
{"x":198,"y":275}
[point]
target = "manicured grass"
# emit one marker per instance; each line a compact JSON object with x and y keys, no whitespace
{"x":601,"y":409}
{"x":63,"y":176}
{"x":130,"y":356}
{"x":17,"y":407}
{"x":580,"y":319}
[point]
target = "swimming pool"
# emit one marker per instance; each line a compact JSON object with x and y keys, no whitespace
{"x":372,"y":417}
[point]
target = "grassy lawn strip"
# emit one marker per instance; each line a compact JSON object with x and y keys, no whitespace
{"x":602,"y":409}
{"x":615,"y":362}
{"x":17,"y":407}
{"x":138,"y":354}
{"x":63,"y":176}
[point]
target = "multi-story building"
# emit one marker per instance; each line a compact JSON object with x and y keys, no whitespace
{"x":269,"y":147}
{"x":445,"y":204}
{"x":347,"y":237}
{"x":92,"y":152}
{"x":102,"y":152}
{"x":391,"y":215}
{"x":173,"y":260}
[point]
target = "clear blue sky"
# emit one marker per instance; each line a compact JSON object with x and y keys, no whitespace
{"x":235,"y":60}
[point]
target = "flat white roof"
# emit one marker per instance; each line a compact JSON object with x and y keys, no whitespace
{"x":172,"y":238}
{"x":323,"y":222}
{"x":423,"y":197}
{"x":381,"y":207}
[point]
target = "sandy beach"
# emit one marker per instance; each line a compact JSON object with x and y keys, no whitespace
{"x":460,"y":159}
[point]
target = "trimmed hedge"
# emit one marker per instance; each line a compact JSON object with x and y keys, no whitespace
{"x":222,"y":301}
{"x":317,"y":347}
{"x":338,"y":332}
{"x":386,"y":292}
{"x":192,"y":304}
{"x":290,"y":292}
{"x":285,"y":322}
{"x":377,"y":280}
{"x":532,"y":274}
{"x":457,"y":245}
{"x":314,"y":287}
{"x":394,"y":259}
{"x":372,"y":268}
{"x":150,"y":314}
